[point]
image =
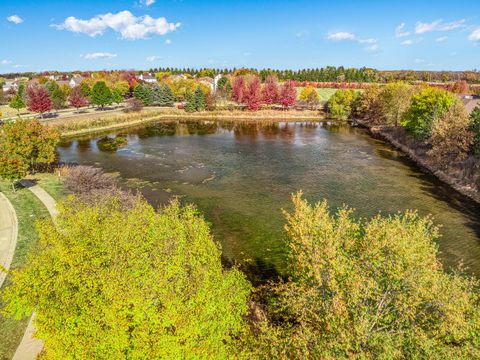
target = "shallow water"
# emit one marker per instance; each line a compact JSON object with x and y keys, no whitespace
{"x":241,"y":176}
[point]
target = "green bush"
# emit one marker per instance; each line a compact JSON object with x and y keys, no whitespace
{"x":340,"y":103}
{"x":426,"y":106}
{"x":475,"y":129}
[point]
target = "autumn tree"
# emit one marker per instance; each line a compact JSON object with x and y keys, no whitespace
{"x":367,"y":105}
{"x":451,"y":138}
{"x":394,"y":101}
{"x":427,"y":105}
{"x":77,"y":99}
{"x":460,"y":87}
{"x":288,"y":94}
{"x":270,"y":90}
{"x":252,"y":96}
{"x":309,"y":95}
{"x":23,"y":144}
{"x":101,"y":94}
{"x":475,"y":129}
{"x":363,"y":289}
{"x":18,"y":101}
{"x":146,"y":285}
{"x":341,"y":103}
{"x":238,"y":89}
{"x":38,"y":99}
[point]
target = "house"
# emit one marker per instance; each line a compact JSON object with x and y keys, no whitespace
{"x":147,"y":78}
{"x":207,"y":81}
{"x":75,"y":81}
{"x":10,"y":85}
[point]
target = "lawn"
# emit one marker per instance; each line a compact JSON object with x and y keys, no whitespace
{"x":324,"y":93}
{"x":29,"y":209}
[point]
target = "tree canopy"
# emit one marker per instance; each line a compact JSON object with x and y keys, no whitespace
{"x":111,"y":282}
{"x":367,"y":289}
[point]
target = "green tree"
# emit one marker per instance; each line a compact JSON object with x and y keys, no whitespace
{"x":426,"y":106}
{"x":24,"y":143}
{"x":340,"y":103}
{"x":59,"y":98}
{"x":113,"y":281}
{"x":117,"y":96}
{"x":196,"y":101}
{"x":367,"y":289}
{"x":144,"y":93}
{"x":101,"y":94}
{"x":18,"y":101}
{"x":475,"y":129}
{"x":394,"y":101}
{"x":367,"y":105}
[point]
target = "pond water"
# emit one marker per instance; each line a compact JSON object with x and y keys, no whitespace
{"x":241,"y":176}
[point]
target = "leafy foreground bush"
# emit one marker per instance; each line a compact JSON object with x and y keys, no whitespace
{"x":115,"y":283}
{"x":363,"y":289}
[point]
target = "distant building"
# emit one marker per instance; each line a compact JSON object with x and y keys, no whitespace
{"x":10,"y":85}
{"x":75,"y":81}
{"x":147,"y":78}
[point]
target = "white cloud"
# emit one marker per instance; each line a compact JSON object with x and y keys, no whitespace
{"x":347,"y":36}
{"x":438,"y":25}
{"x":5,"y":62}
{"x":407,"y":42}
{"x":15,"y":19}
{"x":441,"y":39}
{"x":419,"y":61}
{"x":154,"y":58}
{"x":400,"y":31}
{"x":341,"y":36}
{"x":123,"y":22}
{"x":168,"y":41}
{"x":148,"y":2}
{"x":17,"y":66}
{"x":475,"y":35}
{"x":98,"y":55}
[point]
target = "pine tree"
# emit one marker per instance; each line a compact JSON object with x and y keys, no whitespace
{"x":143,"y":93}
{"x":168,"y":95}
{"x":199,"y":99}
{"x":191,"y":105}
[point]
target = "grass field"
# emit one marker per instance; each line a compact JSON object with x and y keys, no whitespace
{"x":324,"y":93}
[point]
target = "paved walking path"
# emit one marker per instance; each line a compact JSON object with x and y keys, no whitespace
{"x":8,"y":235}
{"x":30,"y":347}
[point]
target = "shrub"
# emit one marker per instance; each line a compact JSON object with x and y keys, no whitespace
{"x":451,"y":139}
{"x":340,"y":103}
{"x":82,"y":180}
{"x":427,"y":105}
{"x":134,"y":105}
{"x":475,"y":129}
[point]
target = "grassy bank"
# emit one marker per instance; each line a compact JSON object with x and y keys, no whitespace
{"x":74,"y":126}
{"x":29,"y":209}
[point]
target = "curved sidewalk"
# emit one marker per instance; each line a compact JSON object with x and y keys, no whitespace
{"x":31,"y":347}
{"x":8,"y":235}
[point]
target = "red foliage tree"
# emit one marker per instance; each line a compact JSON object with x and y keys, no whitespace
{"x":288,"y":94}
{"x":270,"y":90}
{"x":130,"y":77}
{"x":38,"y":99}
{"x":253,"y":96}
{"x":77,"y":99}
{"x":460,"y":87}
{"x":238,"y":89}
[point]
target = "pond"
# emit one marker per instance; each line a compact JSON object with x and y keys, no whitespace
{"x":241,"y":176}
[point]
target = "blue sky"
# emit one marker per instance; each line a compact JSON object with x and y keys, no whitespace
{"x":140,"y":34}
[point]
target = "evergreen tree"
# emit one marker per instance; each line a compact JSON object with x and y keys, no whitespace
{"x":143,"y":93}
{"x":199,"y":99}
{"x":168,"y":95}
{"x":191,"y":105}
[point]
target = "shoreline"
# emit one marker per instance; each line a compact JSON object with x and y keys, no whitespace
{"x":277,"y":116}
{"x":380,"y":133}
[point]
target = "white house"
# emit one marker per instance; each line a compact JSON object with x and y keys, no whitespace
{"x":75,"y":81}
{"x":10,"y":85}
{"x":147,"y":78}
